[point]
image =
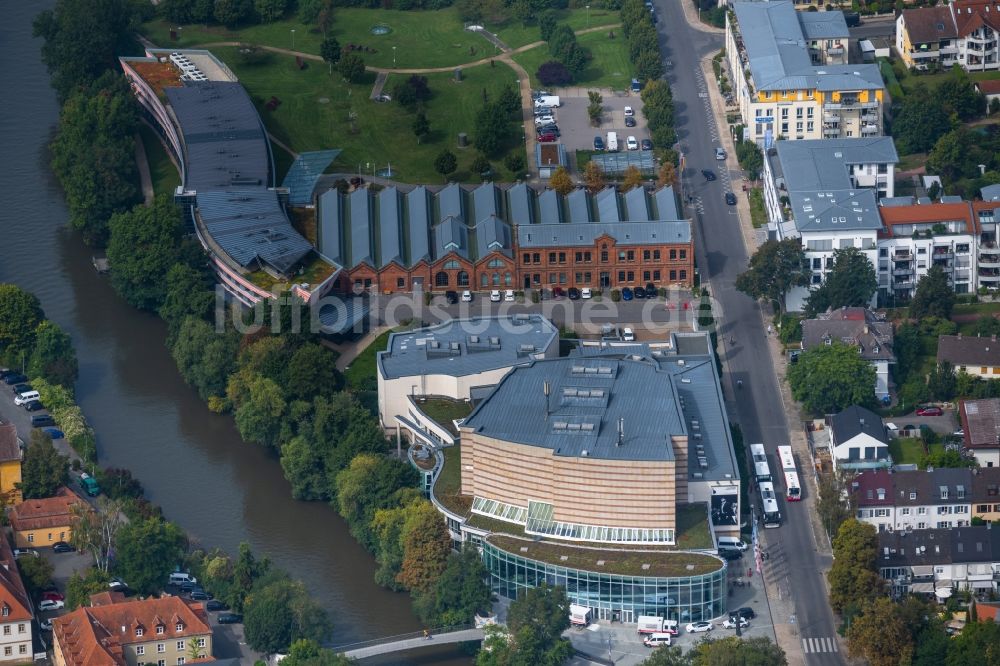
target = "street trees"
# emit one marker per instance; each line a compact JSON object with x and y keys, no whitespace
{"x":667,"y":175}
{"x":280,"y":613}
{"x":561,"y":181}
{"x":880,"y":635}
{"x":53,"y":357}
{"x":146,"y":551}
{"x":775,"y":268}
{"x":445,"y":163}
{"x":96,"y":531}
{"x":329,"y":50}
{"x":658,"y":107}
{"x":829,"y":378}
{"x":852,"y":282}
{"x":732,"y":650}
{"x":20,"y":315}
{"x":853,"y":578}
{"x":44,"y":470}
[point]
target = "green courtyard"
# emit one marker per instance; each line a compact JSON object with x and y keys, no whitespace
{"x":609,"y":68}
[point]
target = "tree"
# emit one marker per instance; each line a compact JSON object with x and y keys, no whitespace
{"x":561,"y":182}
{"x":649,"y":65}
{"x":204,"y":357}
{"x":666,"y":656}
{"x":309,"y":10}
{"x":750,"y":157}
{"x":146,"y":242}
{"x":509,"y":100}
{"x":949,"y":458}
{"x":269,"y":11}
{"x":954,"y":155}
{"x":545,"y":607}
{"x":96,"y":531}
{"x":53,"y":357}
{"x":421,"y":128}
{"x":515,"y":163}
{"x":44,"y":470}
{"x":412,"y":91}
{"x":445,"y":163}
{"x":593,"y":176}
{"x":352,"y":68}
{"x":959,"y":94}
{"x":481,"y":167}
{"x":831,"y":506}
{"x":258,"y":407}
{"x":305,"y":652}
{"x":632,"y":178}
{"x":20,"y":316}
{"x":535,"y":621}
{"x":118,"y":483}
{"x":995,"y":106}
{"x":853,"y":577}
{"x":979,"y":643}
{"x":460,"y":592}
{"x":146,"y":551}
{"x":667,"y":176}
{"x":879,"y":635}
{"x":79,"y":588}
{"x":547,"y":24}
{"x":329,"y":50}
{"x":934,"y":297}
{"x":775,"y":268}
{"x":829,"y":378}
{"x":942,"y":382}
{"x":232,"y":13}
{"x":36,"y":572}
{"x":852,"y":282}
{"x":188,"y":293}
{"x":368,"y":484}
{"x":921,"y":121}
{"x":312,"y":371}
{"x":492,"y":125}
{"x":553,"y":73}
{"x":732,"y":650}
{"x":426,"y":546}
{"x":245,"y":573}
{"x":279,"y":614}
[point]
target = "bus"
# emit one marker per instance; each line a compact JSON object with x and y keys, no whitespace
{"x":761,"y":471}
{"x":769,"y":505}
{"x":793,"y":490}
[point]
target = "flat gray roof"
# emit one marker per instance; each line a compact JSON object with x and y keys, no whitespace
{"x":463,"y":347}
{"x":824,"y":25}
{"x":626,"y":233}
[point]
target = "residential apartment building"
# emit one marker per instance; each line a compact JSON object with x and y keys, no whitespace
{"x":869,"y":332}
{"x":858,"y":440}
{"x":940,"y":561}
{"x":791,"y":76}
{"x":39,"y":523}
{"x":493,"y":237}
{"x":15,"y":610}
{"x":973,"y":355}
{"x":825,"y":193}
{"x":964,"y":32}
{"x":981,"y":430}
{"x":147,"y":632}
{"x":10,"y":463}
{"x":916,"y":500}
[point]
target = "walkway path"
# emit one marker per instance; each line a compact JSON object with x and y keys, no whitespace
{"x":417,"y":641}
{"x":380,"y":80}
{"x":145,"y":179}
{"x":348,"y":351}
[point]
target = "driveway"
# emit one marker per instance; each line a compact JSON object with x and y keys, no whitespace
{"x":945,"y":424}
{"x":11,"y":413}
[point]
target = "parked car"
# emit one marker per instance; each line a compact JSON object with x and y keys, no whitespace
{"x":22,"y":552}
{"x":466,"y":296}
{"x":42,"y":420}
{"x":550,"y":128}
{"x":929,"y":411}
{"x":573,"y":293}
{"x":495,"y":296}
{"x":639,"y":292}
{"x":199,"y":595}
{"x":34,"y":406}
{"x":508,"y":296}
{"x":698,"y":627}
{"x":631,"y":143}
{"x":542,"y":120}
{"x":53,"y":596}
{"x":636,"y":86}
{"x":730,"y":554}
{"x":229,"y":618}
{"x":629,"y":112}
{"x":744,"y":612}
{"x":21,"y":388}
{"x":626,"y":293}
{"x":451,"y":297}
{"x":46,"y":624}
{"x":598,"y":143}
{"x":25,"y":397}
{"x":651,"y":290}
{"x":708,"y":174}
{"x":15,"y":378}
{"x":62,"y":547}
{"x":214,"y":605}
{"x":50,"y":605}
{"x":720,"y":154}
{"x":730,"y":198}
{"x":586,"y":293}
{"x":557,"y":292}
{"x":657,"y":639}
{"x":646,"y":144}
{"x":547,"y":138}
{"x":53,"y":433}
{"x":628,"y":335}
{"x":732,"y":622}
{"x":629,"y":121}
{"x":117,"y":584}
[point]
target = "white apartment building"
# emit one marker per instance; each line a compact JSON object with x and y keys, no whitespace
{"x":914,"y":500}
{"x":941,"y":561}
{"x":964,"y":32}
{"x":791,"y":76}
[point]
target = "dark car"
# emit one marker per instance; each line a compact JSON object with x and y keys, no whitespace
{"x":42,"y":421}
{"x":34,"y":406}
{"x":199,"y":595}
{"x":229,"y":618}
{"x":62,"y":547}
{"x":651,"y":290}
{"x":636,"y":86}
{"x":214,"y":605}
{"x":629,"y":121}
{"x":627,"y":294}
{"x":639,"y":292}
{"x":557,"y":292}
{"x":189,"y":586}
{"x":730,"y":554}
{"x":598,"y":143}
{"x":451,"y":297}
{"x":929,"y":411}
{"x":573,"y":293}
{"x":547,"y":138}
{"x":730,"y":198}
{"x":745,"y":612}
{"x":708,"y":174}
{"x":646,"y":144}
{"x":21,"y":388}
{"x":14,"y":378}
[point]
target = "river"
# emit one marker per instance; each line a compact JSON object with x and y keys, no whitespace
{"x":190,"y":461}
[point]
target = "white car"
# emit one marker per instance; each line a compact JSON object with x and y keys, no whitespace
{"x":46,"y":624}
{"x":629,"y":112}
{"x":495,"y":296}
{"x":50,"y":605}
{"x":509,"y":295}
{"x":20,"y":400}
{"x":586,"y":292}
{"x":21,"y":552}
{"x":631,"y":143}
{"x":731,"y":623}
{"x":698,"y":627}
{"x":628,"y":335}
{"x":466,"y":296}
{"x":544,"y":120}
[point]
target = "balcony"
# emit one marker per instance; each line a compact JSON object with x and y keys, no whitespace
{"x":902,"y":271}
{"x":831,"y":117}
{"x":869,"y":130}
{"x":989,"y":261}
{"x":902,"y":255}
{"x":903,"y":284}
{"x":942,"y":253}
{"x":870,"y":117}
{"x":831,"y":132}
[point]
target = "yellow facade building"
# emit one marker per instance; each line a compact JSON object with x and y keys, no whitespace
{"x":10,"y":464}
{"x":42,"y":522}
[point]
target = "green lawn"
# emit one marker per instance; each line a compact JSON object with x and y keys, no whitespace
{"x":448,"y":486}
{"x":692,"y":527}
{"x":445,"y":411}
{"x":610,"y":67}
{"x":361,"y":373}
{"x":162,"y":171}
{"x":315,"y":114}
{"x":515,"y":34}
{"x":758,"y":215}
{"x":932,"y":81}
{"x":976,"y":308}
{"x":906,"y":450}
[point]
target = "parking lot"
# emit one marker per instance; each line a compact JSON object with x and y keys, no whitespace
{"x":577,"y":132}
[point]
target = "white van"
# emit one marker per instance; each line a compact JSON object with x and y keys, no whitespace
{"x":657,"y":639}
{"x":671,"y":627}
{"x":180,"y":577}
{"x":27,"y":396}
{"x":732,"y":542}
{"x":612,"y":144}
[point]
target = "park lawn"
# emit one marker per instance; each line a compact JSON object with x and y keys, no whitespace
{"x":362,"y":373}
{"x":932,"y":81}
{"x":161,"y":170}
{"x":609,"y":68}
{"x":513,"y":33}
{"x":758,"y":215}
{"x":906,"y":450}
{"x":976,"y":308}
{"x":381,"y":135}
{"x":277,"y":34}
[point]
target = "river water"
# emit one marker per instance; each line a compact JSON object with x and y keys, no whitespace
{"x":191,"y":462}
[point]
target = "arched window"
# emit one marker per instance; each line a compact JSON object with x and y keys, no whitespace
{"x":441,"y":279}
{"x":496,"y":263}
{"x":496,"y":279}
{"x":484,"y":280}
{"x":463,"y":279}
{"x":506,"y":279}
{"x":451,"y":265}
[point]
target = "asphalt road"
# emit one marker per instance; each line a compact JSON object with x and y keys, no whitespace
{"x":721,"y":257}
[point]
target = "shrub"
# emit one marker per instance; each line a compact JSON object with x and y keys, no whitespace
{"x":554,"y":73}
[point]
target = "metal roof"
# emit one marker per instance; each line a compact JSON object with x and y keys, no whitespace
{"x":360,"y":211}
{"x":824,"y":25}
{"x":666,"y":203}
{"x":304,"y":173}
{"x":493,"y":235}
{"x":578,"y":204}
{"x":485,"y":202}
{"x":549,"y":207}
{"x":339,"y":315}
{"x":462,"y":347}
{"x":521,"y":204}
{"x":451,"y":236}
{"x":637,"y":206}
{"x":450,"y":203}
{"x":390,"y":227}
{"x":626,"y":233}
{"x":607,"y":205}
{"x":615,"y":164}
{"x":418,"y":203}
{"x":329,"y":242}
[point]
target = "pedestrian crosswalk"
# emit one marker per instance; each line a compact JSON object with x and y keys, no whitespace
{"x":814,"y":645}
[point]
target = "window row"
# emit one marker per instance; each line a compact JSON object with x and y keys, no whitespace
{"x":586,"y":257}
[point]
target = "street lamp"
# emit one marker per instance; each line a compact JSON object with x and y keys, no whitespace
{"x":394,"y":57}
{"x":293,"y":39}
{"x":588,"y":16}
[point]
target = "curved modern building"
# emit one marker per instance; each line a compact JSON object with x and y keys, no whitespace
{"x":215,"y":136}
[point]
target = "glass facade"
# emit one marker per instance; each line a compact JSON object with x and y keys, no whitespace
{"x":612,"y":596}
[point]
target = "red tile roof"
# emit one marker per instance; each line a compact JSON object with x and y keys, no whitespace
{"x":9,"y":449}
{"x":929,"y":24}
{"x":13,"y":595}
{"x":48,"y":512}
{"x":972,"y":14}
{"x":991,"y":87}
{"x":929,"y":214}
{"x":95,"y":635}
{"x":865,"y":487}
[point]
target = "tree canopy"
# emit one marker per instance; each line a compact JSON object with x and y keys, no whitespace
{"x":53,"y":357}
{"x":775,"y":268}
{"x":830,"y":378}
{"x":44,"y":470}
{"x":280,"y":613}
{"x":147,"y":551}
{"x":20,"y":315}
{"x":852,"y":282}
{"x":853,"y":577}
{"x":879,"y":634}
